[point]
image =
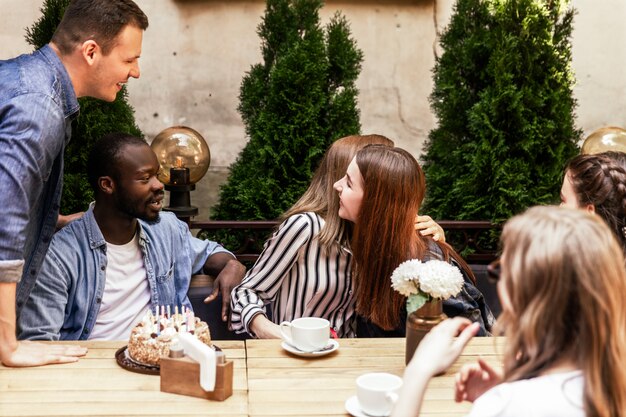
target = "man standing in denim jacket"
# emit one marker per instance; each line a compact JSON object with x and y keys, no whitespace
{"x":94,"y":51}
{"x":123,"y":257}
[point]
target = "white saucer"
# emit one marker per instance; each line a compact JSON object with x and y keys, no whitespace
{"x":353,"y":408}
{"x":333,"y":345}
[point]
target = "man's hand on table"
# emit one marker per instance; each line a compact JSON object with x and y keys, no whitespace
{"x":30,"y":353}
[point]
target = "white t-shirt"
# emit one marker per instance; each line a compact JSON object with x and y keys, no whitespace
{"x":126,"y":292}
{"x":553,"y":395}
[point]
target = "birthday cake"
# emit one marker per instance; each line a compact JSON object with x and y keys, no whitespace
{"x":151,"y":338}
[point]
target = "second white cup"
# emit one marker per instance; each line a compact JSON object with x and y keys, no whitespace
{"x":377,"y":392}
{"x":307,"y":334}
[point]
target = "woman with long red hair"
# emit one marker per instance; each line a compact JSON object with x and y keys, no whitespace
{"x":381,"y":194}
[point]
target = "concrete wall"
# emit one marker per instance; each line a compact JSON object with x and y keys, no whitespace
{"x":196,"y":52}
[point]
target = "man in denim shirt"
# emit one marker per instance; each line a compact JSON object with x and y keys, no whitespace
{"x":104,"y":270}
{"x":94,"y":51}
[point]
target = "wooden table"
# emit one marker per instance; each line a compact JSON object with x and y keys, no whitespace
{"x":268,"y":381}
{"x":96,"y":385}
{"x":281,"y":384}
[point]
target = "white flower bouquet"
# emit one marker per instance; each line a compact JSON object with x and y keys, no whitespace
{"x":424,"y":281}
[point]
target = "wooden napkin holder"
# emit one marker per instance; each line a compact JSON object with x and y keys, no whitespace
{"x":182,"y":376}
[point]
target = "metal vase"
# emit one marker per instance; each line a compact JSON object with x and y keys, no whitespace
{"x":420,"y":322}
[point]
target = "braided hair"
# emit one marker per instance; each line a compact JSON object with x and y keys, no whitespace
{"x":600,"y":180}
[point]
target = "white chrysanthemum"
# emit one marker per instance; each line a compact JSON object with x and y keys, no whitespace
{"x":404,"y":278}
{"x":440,"y":279}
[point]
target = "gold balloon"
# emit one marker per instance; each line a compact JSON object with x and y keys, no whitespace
{"x":610,"y":138}
{"x":181,"y":147}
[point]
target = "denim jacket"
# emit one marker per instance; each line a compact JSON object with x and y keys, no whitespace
{"x":65,"y":300}
{"x":37,"y":106}
{"x":469,"y":303}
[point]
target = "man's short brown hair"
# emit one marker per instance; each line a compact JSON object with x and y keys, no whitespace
{"x":99,"y":20}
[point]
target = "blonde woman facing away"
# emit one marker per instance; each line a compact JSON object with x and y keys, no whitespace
{"x":561,"y":285}
{"x":305,"y":267}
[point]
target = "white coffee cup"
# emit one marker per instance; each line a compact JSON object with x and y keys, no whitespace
{"x":377,"y":392}
{"x":307,"y":334}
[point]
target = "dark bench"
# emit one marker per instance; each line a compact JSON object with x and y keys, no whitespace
{"x":201,"y":287}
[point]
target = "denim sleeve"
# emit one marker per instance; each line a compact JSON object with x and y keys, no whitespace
{"x":470,"y":303}
{"x":31,"y":137}
{"x":193,"y":254}
{"x":200,"y":250}
{"x":43,"y":313}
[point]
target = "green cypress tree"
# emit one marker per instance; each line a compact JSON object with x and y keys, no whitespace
{"x":293,"y":104}
{"x":503,"y":98}
{"x":96,"y":118}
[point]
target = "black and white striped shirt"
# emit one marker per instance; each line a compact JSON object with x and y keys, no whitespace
{"x":299,"y":280}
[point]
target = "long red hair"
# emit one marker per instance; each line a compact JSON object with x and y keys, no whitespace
{"x":384,"y":235}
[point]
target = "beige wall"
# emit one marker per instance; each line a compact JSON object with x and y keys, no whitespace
{"x":196,"y":52}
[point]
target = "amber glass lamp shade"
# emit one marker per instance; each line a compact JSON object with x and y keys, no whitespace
{"x":183,"y":155}
{"x":610,"y":138}
{"x":184,"y":158}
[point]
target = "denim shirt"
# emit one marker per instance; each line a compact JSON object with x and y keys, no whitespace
{"x":37,"y":106}
{"x":65,"y":300}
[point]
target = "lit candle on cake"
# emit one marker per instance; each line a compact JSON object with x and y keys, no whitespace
{"x":179,"y":174}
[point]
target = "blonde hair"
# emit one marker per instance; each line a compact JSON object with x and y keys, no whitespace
{"x":563,"y":272}
{"x":321,"y":198}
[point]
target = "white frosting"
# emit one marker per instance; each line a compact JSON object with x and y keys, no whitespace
{"x":152,"y":337}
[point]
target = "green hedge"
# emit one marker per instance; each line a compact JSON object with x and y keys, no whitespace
{"x":503,"y":98}
{"x":294,"y":105}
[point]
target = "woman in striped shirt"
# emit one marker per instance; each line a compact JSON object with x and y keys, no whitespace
{"x":305,"y":267}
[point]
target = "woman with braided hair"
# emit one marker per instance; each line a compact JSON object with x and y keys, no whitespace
{"x":597,"y":183}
